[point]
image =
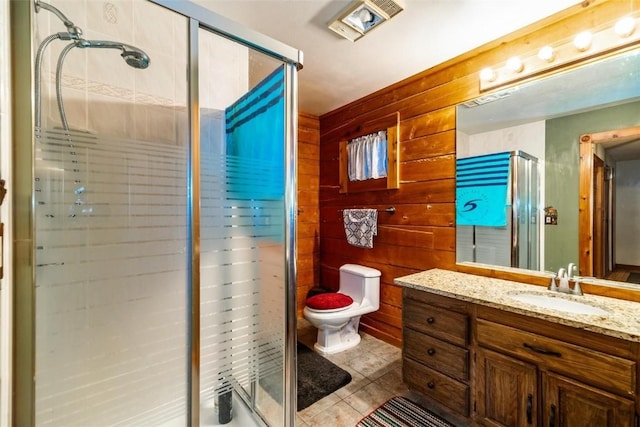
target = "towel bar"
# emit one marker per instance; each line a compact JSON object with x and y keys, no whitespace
{"x":390,"y":210}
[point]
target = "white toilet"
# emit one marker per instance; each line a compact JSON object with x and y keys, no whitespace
{"x":337,"y":314}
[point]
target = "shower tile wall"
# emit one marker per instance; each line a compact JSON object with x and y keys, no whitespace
{"x":101,"y":92}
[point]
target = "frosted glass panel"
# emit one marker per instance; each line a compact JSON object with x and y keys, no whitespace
{"x":110,"y":280}
{"x":242,"y":269}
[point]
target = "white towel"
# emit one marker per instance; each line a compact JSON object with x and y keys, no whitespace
{"x":360,"y":225}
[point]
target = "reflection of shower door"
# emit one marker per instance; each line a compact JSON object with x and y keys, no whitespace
{"x":525,"y":238}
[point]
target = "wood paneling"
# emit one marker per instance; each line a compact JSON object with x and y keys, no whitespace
{"x":307,"y":226}
{"x":421,"y":234}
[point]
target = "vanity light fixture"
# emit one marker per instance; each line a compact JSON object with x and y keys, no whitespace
{"x":488,"y":74}
{"x":625,"y":26}
{"x":515,"y":64}
{"x":608,"y":37}
{"x":362,"y":16}
{"x":582,"y":40}
{"x":547,"y":54}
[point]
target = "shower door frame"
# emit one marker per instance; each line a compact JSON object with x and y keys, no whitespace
{"x":21,"y":27}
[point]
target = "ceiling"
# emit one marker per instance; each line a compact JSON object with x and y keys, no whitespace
{"x":426,"y":33}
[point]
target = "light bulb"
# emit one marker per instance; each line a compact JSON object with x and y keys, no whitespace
{"x":365,"y":16}
{"x":582,"y":41}
{"x":625,"y":26}
{"x":488,"y":75}
{"x":547,"y":54}
{"x":515,"y":64}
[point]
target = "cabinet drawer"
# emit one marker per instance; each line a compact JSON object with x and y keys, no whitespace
{"x":437,"y":354}
{"x":437,"y":322}
{"x":434,"y":385}
{"x":589,"y":366}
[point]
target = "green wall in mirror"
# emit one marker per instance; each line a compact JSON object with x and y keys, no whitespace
{"x":562,"y":173}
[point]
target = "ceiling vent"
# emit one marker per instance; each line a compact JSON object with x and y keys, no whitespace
{"x":489,"y":98}
{"x":362,"y":16}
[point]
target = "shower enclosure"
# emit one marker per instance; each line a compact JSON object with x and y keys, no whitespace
{"x":156,"y":218}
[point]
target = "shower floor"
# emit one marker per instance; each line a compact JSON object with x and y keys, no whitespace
{"x":241,"y":417}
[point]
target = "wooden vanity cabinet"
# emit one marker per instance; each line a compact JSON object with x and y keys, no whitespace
{"x":436,"y":357}
{"x":524,"y":379}
{"x":506,"y":390}
{"x":570,"y":403}
{"x":501,"y":369}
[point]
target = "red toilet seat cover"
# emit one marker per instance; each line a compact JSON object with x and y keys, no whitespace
{"x":329,"y":301}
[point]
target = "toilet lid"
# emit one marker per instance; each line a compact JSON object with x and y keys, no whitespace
{"x":329,"y":301}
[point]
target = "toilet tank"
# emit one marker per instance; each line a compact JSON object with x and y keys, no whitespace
{"x":360,"y":283}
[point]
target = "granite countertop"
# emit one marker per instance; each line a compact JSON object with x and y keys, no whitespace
{"x":621,"y":320}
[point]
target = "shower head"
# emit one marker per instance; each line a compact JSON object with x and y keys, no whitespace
{"x":133,"y":56}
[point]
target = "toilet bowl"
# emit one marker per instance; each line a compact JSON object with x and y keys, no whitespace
{"x":337,"y":314}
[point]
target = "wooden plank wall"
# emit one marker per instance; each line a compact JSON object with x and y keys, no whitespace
{"x":308,"y":228}
{"x":421,"y":234}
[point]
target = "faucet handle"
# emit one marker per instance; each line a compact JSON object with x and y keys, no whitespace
{"x":571,"y":269}
{"x":577,"y":290}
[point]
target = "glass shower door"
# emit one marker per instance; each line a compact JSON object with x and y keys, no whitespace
{"x":111,"y":225}
{"x":242,"y":268}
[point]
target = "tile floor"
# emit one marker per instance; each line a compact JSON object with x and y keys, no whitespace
{"x":376,"y":372}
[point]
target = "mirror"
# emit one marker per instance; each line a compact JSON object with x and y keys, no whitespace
{"x":545,"y":119}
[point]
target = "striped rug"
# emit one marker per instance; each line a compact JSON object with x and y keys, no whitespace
{"x":401,"y":412}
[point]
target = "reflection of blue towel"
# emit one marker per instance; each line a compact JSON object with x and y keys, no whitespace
{"x":481,"y":190}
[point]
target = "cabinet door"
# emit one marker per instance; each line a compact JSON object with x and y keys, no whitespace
{"x":568,"y":403}
{"x":506,"y":391}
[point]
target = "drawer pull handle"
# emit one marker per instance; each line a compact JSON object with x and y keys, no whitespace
{"x":430,"y":320}
{"x":542,"y":350}
{"x":529,"y":409}
{"x":552,"y":416}
{"x":431,"y":384}
{"x":431,"y":351}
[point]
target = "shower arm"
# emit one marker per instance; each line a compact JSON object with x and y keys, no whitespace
{"x":82,"y":43}
{"x":73,"y":33}
{"x":71,"y":27}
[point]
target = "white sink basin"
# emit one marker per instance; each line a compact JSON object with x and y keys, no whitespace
{"x":558,"y":302}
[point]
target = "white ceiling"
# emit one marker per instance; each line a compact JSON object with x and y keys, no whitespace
{"x":426,"y":33}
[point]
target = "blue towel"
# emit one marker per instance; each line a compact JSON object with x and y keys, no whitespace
{"x":481,"y":190}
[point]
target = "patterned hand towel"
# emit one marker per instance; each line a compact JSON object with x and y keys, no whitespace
{"x":360,"y":225}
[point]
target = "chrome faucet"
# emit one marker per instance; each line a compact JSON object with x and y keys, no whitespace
{"x":563,"y":276}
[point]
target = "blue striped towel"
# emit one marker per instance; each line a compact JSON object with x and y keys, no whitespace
{"x":481,"y":190}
